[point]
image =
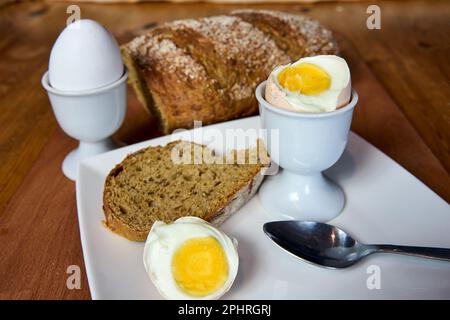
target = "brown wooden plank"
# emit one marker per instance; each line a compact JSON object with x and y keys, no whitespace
{"x":39,"y":235}
{"x":409,"y":56}
{"x":380,"y":121}
{"x":38,"y":226}
{"x":26,"y":119}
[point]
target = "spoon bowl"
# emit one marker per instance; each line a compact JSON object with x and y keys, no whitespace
{"x":328,"y":246}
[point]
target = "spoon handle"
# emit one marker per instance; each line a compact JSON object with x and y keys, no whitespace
{"x":425,"y":252}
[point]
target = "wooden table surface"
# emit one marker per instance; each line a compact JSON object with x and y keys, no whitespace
{"x":401,"y":71}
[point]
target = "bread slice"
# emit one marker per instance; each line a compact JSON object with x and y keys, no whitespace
{"x":148,"y":186}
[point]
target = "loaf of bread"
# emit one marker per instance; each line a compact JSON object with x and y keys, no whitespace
{"x":207,"y":69}
{"x":149,"y":185}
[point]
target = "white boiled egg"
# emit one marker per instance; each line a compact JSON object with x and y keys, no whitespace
{"x":312,"y":84}
{"x":190,"y":259}
{"x":85,"y":56}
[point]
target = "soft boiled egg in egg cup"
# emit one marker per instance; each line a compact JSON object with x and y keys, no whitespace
{"x":310,"y":105}
{"x":190,"y":259}
{"x":86,"y":85}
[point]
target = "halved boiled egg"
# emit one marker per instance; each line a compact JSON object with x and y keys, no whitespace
{"x":312,"y":84}
{"x":190,"y":259}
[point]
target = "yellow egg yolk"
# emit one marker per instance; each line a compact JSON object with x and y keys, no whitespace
{"x":305,"y":78}
{"x":200,"y":266}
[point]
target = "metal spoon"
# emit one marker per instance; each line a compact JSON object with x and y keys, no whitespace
{"x":329,"y":246}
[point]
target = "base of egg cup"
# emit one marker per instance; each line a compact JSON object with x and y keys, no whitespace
{"x":307,"y":144}
{"x":90,"y":116}
{"x":85,"y":150}
{"x":302,"y":197}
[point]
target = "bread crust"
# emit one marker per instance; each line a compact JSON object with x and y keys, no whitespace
{"x":111,"y":222}
{"x":234,"y":52}
{"x":298,"y":35}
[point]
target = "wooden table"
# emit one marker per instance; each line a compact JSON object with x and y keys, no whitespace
{"x":401,"y":71}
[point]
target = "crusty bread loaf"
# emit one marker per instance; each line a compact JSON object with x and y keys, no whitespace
{"x":207,"y":69}
{"x":148,"y":186}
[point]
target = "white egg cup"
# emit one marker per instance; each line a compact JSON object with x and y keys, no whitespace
{"x":308,"y":143}
{"x":90,"y":116}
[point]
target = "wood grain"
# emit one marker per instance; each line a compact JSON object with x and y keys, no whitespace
{"x":380,"y":121}
{"x":401,"y":73}
{"x":39,"y":232}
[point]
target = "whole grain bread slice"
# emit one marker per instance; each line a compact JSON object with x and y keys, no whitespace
{"x":176,"y":180}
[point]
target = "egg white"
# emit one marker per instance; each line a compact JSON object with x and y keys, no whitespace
{"x":335,"y":96}
{"x":162,"y":242}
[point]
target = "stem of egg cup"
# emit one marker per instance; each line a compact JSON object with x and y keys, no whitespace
{"x":90,"y":116}
{"x":302,"y":197}
{"x":84,"y":151}
{"x":307,"y":144}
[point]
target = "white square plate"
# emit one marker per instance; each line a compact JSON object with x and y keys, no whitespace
{"x":385,"y":204}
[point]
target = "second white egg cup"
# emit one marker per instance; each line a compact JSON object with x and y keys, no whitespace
{"x":308,"y":143}
{"x":90,"y":116}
